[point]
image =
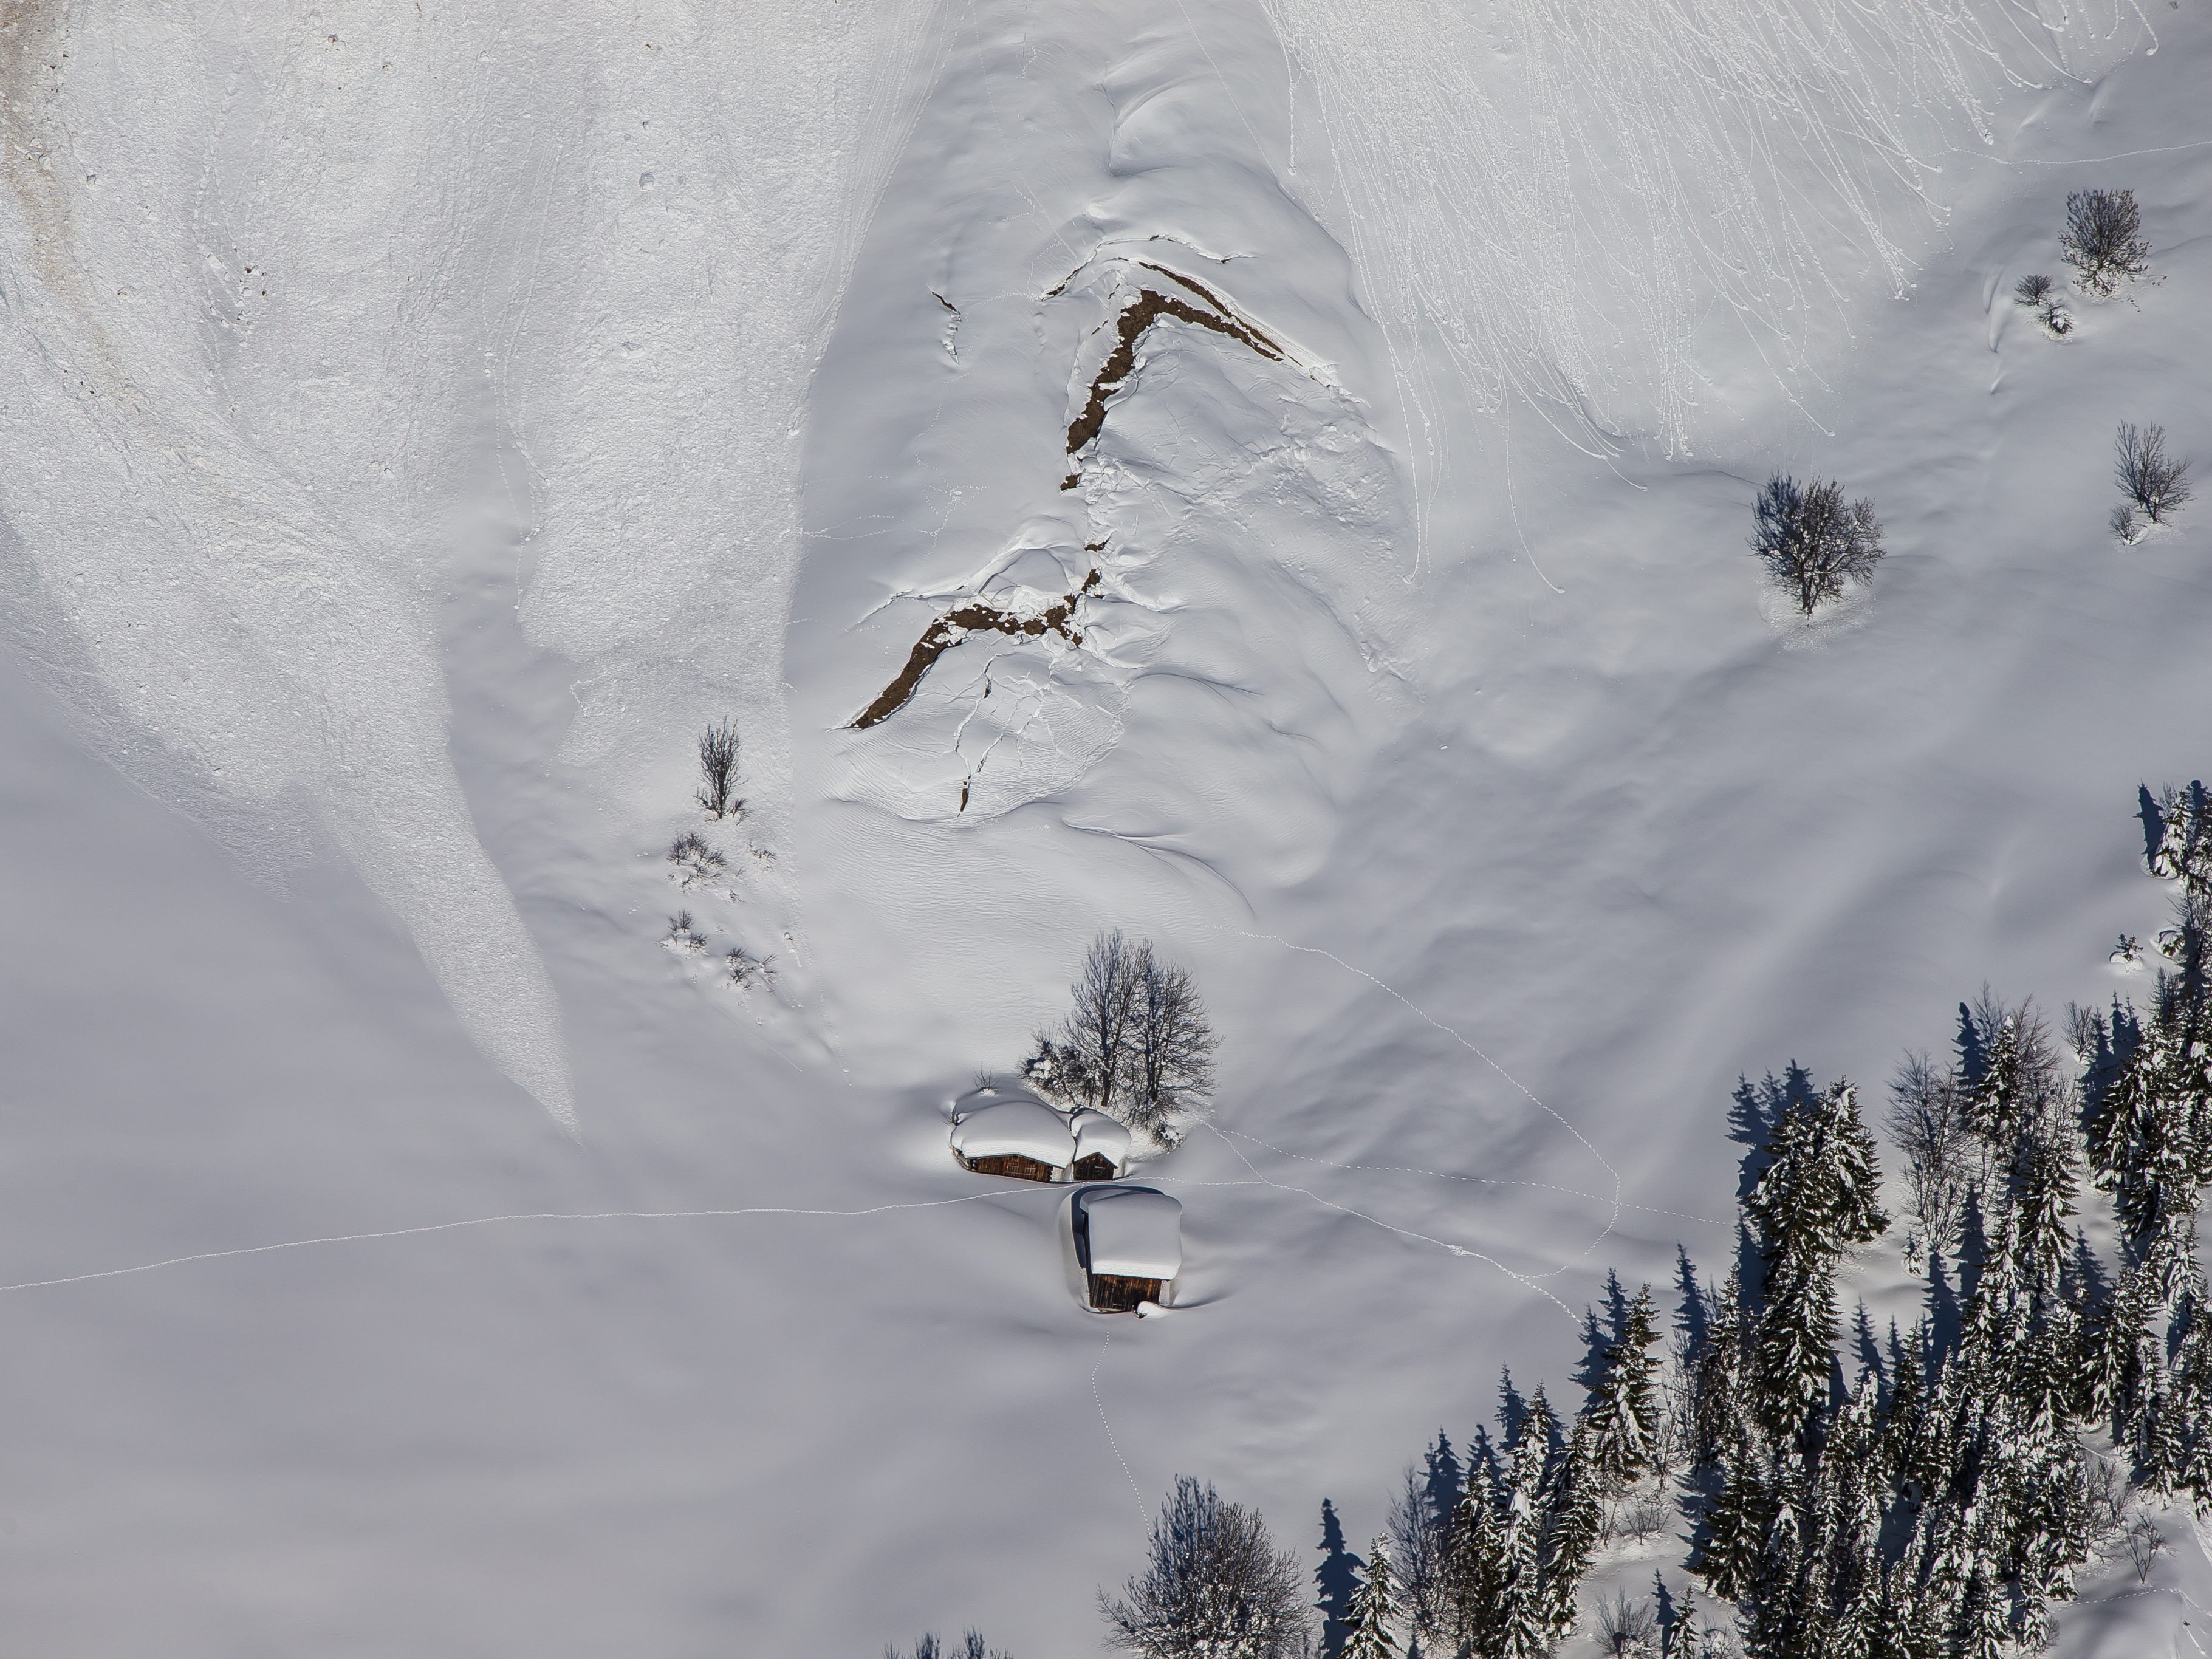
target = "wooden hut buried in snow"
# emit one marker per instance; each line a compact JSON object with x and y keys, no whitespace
{"x":1102,"y":1146}
{"x":1015,"y":1135}
{"x":1128,"y":1245}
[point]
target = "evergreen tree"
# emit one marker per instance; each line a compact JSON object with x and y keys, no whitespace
{"x":1371,"y":1617}
{"x":1815,"y":1200}
{"x":1623,"y":1411}
{"x":1735,"y":1524}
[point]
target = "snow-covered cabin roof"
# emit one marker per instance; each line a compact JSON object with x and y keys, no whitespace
{"x":1134,"y":1231}
{"x":1017,"y":1125}
{"x":1095,"y":1132}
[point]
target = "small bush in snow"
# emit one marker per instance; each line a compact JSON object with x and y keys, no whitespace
{"x":972,"y":1646}
{"x":717,"y":771}
{"x":2123,"y":524}
{"x":2151,"y":479}
{"x":696,"y":861}
{"x":746,"y":969}
{"x":1812,"y":541}
{"x":682,"y":935}
{"x":2103,"y":240}
{"x":2040,"y":295}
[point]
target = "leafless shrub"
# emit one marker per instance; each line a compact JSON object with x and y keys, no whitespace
{"x":2122,"y":524}
{"x":1639,"y":1515}
{"x":2040,"y":295}
{"x":2105,"y":1493}
{"x":683,"y":936}
{"x":695,"y":861}
{"x":972,"y":1646}
{"x":2146,"y":475}
{"x":745,"y":970}
{"x":1812,"y":541}
{"x":1626,"y":1626}
{"x":2144,"y":1544}
{"x":717,"y":771}
{"x":2103,"y":240}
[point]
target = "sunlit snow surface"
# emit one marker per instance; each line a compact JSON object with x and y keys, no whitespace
{"x":257,"y":314}
{"x":595,"y":394}
{"x":1576,"y":203}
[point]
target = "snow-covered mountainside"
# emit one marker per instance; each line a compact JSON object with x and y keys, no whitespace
{"x":1270,"y":476}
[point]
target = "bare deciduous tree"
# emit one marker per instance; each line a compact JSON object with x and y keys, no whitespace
{"x":1931,"y":1119}
{"x":1812,"y":540}
{"x":1171,"y":1049}
{"x":1137,"y":1044}
{"x":2149,"y":477}
{"x":717,"y":771}
{"x":1627,"y":1628}
{"x":2103,"y":240}
{"x":1419,"y":1540}
{"x":1215,"y":1587}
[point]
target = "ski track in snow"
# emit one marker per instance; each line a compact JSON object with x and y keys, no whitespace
{"x":495,"y":1220}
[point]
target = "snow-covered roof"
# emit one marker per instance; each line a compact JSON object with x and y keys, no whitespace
{"x":1134,"y":1231}
{"x":1095,"y":1132}
{"x":1018,"y":1125}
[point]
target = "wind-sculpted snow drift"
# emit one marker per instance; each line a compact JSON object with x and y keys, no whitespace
{"x":249,"y":314}
{"x":1576,"y":201}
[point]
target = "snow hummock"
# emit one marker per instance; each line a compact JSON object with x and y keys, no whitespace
{"x":1134,"y":1231}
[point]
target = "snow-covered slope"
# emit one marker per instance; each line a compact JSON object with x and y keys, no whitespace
{"x":1503,"y":816}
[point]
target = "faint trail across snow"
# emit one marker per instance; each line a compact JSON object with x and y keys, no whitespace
{"x":1144,"y":1510}
{"x":1530,"y":1280}
{"x":1480,"y":1181}
{"x":495,"y":1220}
{"x":1528,"y":1094}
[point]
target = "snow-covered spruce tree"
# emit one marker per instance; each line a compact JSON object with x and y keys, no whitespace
{"x":2184,"y":850}
{"x":1716,"y":1393}
{"x":1812,"y":1203}
{"x":1735,"y":1523}
{"x":1372,"y":1616}
{"x":1812,"y":541}
{"x":1215,"y":1587}
{"x":2103,"y":240}
{"x":1623,"y":1411}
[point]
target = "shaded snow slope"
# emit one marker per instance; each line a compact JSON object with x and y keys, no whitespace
{"x":753,"y":1366}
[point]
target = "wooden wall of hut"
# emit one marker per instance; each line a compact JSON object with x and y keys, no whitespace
{"x":1010,"y":1163}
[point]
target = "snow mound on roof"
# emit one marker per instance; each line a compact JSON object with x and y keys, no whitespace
{"x":1134,"y":1231}
{"x":1095,"y":1132}
{"x":1021,"y":1126}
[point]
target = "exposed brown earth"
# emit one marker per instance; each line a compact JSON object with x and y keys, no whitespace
{"x":1150,"y":305}
{"x":954,"y":626}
